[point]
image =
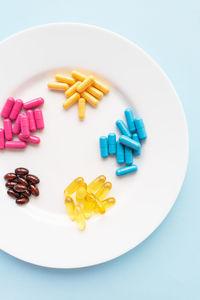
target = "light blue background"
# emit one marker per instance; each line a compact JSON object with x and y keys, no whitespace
{"x":167,"y":264}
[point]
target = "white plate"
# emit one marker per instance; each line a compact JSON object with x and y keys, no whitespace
{"x":41,"y":232}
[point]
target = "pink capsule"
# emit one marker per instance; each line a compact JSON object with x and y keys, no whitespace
{"x":7,"y":107}
{"x":33,"y":103}
{"x":15,"y":145}
{"x":8,"y":129}
{"x":16,"y":109}
{"x":31,"y":120}
{"x":39,"y":118}
{"x":24,"y":126}
{"x":2,"y":139}
{"x":31,"y":139}
{"x":17,"y":125}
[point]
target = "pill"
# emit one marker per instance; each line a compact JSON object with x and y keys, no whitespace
{"x":96,"y":184}
{"x":123,"y":128}
{"x":90,"y":99}
{"x":112,"y":143}
{"x":103,"y":191}
{"x":70,"y":207}
{"x":71,"y":100}
{"x":22,"y":180}
{"x":32,"y":178}
{"x":21,"y":171}
{"x":10,"y":176}
{"x":17,"y":126}
{"x":136,"y":139}
{"x":33,"y":103}
{"x":12,"y":193}
{"x":78,"y":76}
{"x":98,"y":206}
{"x":129,"y":142}
{"x":79,"y":217}
{"x":130,"y":119}
{"x":120,"y":153}
{"x":81,"y":193}
{"x":34,"y":190}
{"x":128,"y":156}
{"x":58,"y":86}
{"x":88,"y":81}
{"x":72,"y":89}
{"x":139,"y":124}
{"x":31,"y":139}
{"x":81,"y":108}
{"x":38,"y":116}
{"x":126,"y":170}
{"x":10,"y":184}
{"x":24,"y":124}
{"x":109,"y":202}
{"x":26,"y":193}
{"x":103,"y":141}
{"x":88,"y":206}
{"x":2,"y":139}
{"x":22,"y":200}
{"x":73,"y":186}
{"x":7,"y":129}
{"x":95,"y":92}
{"x":65,"y":79}
{"x":6,"y":110}
{"x":31,"y":120}
{"x":16,"y":109}
{"x":15,"y":145}
{"x":19,"y":188}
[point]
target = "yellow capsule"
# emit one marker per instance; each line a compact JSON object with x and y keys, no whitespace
{"x":88,"y":206}
{"x":103,"y":191}
{"x":78,"y":76}
{"x":109,"y":202}
{"x":65,"y":79}
{"x":70,"y":206}
{"x":100,"y":86}
{"x":90,"y":99}
{"x":79,"y":216}
{"x":71,"y":100}
{"x":81,"y":193}
{"x":94,"y":92}
{"x":72,"y":89}
{"x":73,"y":186}
{"x":85,"y":84}
{"x":81,"y":108}
{"x":96,"y":184}
{"x":58,"y":86}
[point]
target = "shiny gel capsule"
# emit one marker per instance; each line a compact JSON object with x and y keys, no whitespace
{"x":139,"y":124}
{"x":128,"y":156}
{"x":112,"y":143}
{"x":136,"y":139}
{"x":123,"y":128}
{"x":33,"y":103}
{"x":31,"y":120}
{"x":126,"y":141}
{"x":103,"y":141}
{"x":24,"y":126}
{"x":126,"y":170}
{"x":7,"y":129}
{"x":16,"y":109}
{"x":130,"y":119}
{"x":7,"y":107}
{"x":120,"y":153}
{"x":39,"y":118}
{"x":2,"y":139}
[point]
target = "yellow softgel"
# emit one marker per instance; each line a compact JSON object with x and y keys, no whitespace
{"x":71,"y":100}
{"x":81,"y":108}
{"x":88,"y":206}
{"x":58,"y":86}
{"x":103,"y":191}
{"x":65,"y":79}
{"x":70,"y":206}
{"x":85,"y":84}
{"x":109,"y":202}
{"x":81,"y":193}
{"x":72,"y":89}
{"x":79,"y":216}
{"x":73,"y":186}
{"x":96,"y":184}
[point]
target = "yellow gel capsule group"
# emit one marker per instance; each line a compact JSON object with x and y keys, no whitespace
{"x":73,"y":186}
{"x":96,"y":184}
{"x":70,"y":207}
{"x":104,"y":190}
{"x":58,"y":86}
{"x":79,"y":217}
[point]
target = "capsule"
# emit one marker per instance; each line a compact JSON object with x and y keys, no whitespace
{"x":103,"y":191}
{"x":72,"y":89}
{"x":17,"y":126}
{"x":38,"y":116}
{"x":120,"y":153}
{"x":10,"y":176}
{"x":6,"y":110}
{"x":31,"y":120}
{"x":95,"y":92}
{"x":58,"y":86}
{"x":73,"y":186}
{"x":22,"y":200}
{"x":15,"y":145}
{"x":78,"y":76}
{"x":88,"y":206}
{"x":108,"y":202}
{"x":96,"y":184}
{"x":79,"y":216}
{"x":136,"y":139}
{"x":81,"y":108}
{"x":31,"y":139}
{"x":70,"y":207}
{"x":16,"y":109}
{"x":103,"y":142}
{"x":112,"y":143}
{"x":71,"y":100}
{"x":21,"y":171}
{"x":81,"y":193}
{"x":33,"y":103}
{"x":24,"y":124}
{"x":123,"y":128}
{"x":34,"y":190}
{"x":7,"y":129}
{"x":98,"y":206}
{"x":90,"y":99}
{"x":126,"y":170}
{"x":139,"y":124}
{"x":126,"y":141}
{"x":130,"y":119}
{"x":88,"y":81}
{"x":12,"y":193}
{"x":2,"y":139}
{"x":128,"y":156}
{"x":32,"y":178}
{"x":65,"y":79}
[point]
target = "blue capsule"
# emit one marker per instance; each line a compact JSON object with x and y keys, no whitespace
{"x":126,"y":141}
{"x":130,"y":119}
{"x":123,"y":128}
{"x":120,"y":153}
{"x":126,"y":170}
{"x":128,"y":156}
{"x":103,"y":141}
{"x":135,"y":138}
{"x":139,"y":124}
{"x":112,"y":143}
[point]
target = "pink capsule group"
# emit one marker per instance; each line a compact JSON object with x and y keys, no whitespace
{"x":25,"y":122}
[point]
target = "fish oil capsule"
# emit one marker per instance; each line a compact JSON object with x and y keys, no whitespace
{"x":81,"y":193}
{"x":7,"y":129}
{"x":136,"y":139}
{"x":120,"y":153}
{"x":71,"y":100}
{"x":38,"y":116}
{"x":123,"y":128}
{"x":16,"y":109}
{"x":31,"y":119}
{"x":64,"y":79}
{"x":73,"y":186}
{"x":128,"y":156}
{"x":90,"y":99}
{"x":70,"y":207}
{"x":103,"y":191}
{"x":103,"y":142}
{"x":24,"y":124}
{"x":2,"y":139}
{"x":17,"y":126}
{"x":130,"y":119}
{"x":79,"y":216}
{"x":109,"y":202}
{"x":126,"y":170}
{"x":81,"y":108}
{"x":95,"y":92}
{"x":139,"y":124}
{"x":7,"y":107}
{"x":129,"y":142}
{"x":72,"y":89}
{"x":96,"y":184}
{"x":85,"y":84}
{"x":88,"y":206}
{"x":112,"y":143}
{"x":98,"y":206}
{"x":58,"y":86}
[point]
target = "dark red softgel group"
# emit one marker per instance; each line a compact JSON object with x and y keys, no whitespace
{"x":21,"y":185}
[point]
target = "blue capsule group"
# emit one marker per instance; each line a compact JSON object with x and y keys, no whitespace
{"x":128,"y":145}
